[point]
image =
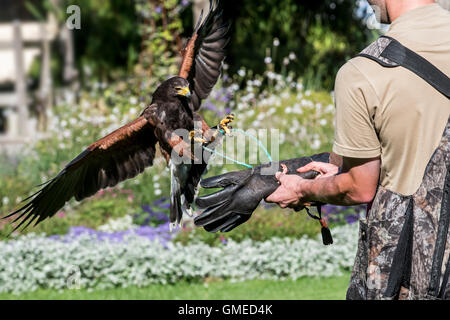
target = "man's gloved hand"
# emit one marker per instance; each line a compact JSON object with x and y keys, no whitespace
{"x":242,"y":192}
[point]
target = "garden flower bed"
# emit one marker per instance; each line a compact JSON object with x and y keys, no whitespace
{"x":98,"y":260}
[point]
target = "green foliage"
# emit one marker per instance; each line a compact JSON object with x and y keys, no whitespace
{"x":322,"y":34}
{"x":91,"y":213}
{"x":117,"y":36}
{"x":263,"y":225}
{"x":160,"y":30}
{"x":108,"y":40}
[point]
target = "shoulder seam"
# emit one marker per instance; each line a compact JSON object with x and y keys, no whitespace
{"x":367,"y":79}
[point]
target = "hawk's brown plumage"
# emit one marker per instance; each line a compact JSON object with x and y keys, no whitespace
{"x":127,"y":151}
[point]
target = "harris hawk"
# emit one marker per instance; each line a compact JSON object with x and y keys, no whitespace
{"x":127,"y":151}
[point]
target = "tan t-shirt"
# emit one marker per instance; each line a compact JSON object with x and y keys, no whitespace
{"x":391,"y":112}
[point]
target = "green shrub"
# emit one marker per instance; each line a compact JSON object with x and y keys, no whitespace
{"x":91,"y":213}
{"x":263,"y":225}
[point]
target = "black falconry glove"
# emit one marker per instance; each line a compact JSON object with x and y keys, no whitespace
{"x":242,"y":192}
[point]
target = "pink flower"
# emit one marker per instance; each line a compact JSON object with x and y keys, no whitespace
{"x":223,"y":239}
{"x":61,"y":214}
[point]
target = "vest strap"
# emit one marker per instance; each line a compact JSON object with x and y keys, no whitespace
{"x":390,"y":53}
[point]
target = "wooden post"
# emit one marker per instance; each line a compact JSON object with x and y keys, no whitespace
{"x":45,"y":85}
{"x":20,"y":85}
{"x":70,"y":74}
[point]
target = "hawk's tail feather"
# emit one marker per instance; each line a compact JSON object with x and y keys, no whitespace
{"x":176,"y":212}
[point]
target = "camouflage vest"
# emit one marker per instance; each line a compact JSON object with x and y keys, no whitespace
{"x":404,"y":241}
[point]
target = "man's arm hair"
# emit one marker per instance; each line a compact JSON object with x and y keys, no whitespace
{"x":357,"y":183}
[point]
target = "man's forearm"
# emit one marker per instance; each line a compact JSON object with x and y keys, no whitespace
{"x":337,"y":190}
{"x":357,"y":184}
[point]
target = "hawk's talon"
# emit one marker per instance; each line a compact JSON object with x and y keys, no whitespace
{"x":224,"y":124}
{"x":196,"y":136}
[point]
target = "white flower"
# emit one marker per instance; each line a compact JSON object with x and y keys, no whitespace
{"x":241,"y":72}
{"x":67,"y":134}
{"x":133,"y":100}
{"x":316,"y":144}
{"x":271,"y":75}
{"x":276,"y":42}
{"x":292,"y":56}
{"x":139,"y":261}
{"x":267,"y":60}
{"x":119,"y":224}
{"x":5,"y":201}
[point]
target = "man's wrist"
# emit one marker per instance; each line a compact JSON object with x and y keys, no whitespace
{"x":304,"y":190}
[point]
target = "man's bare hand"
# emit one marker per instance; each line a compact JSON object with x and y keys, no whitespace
{"x":324,"y":169}
{"x":288,"y":194}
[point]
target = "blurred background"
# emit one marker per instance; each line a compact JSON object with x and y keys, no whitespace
{"x":73,"y":71}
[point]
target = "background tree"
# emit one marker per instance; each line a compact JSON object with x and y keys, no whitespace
{"x":318,"y":36}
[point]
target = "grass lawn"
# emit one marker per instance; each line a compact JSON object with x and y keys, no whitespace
{"x":302,"y":289}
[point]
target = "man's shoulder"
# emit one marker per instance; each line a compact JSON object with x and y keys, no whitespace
{"x":358,"y":70}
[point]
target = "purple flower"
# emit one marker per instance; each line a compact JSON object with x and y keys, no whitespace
{"x":185,"y":3}
{"x":223,"y":239}
{"x":351,"y":218}
{"x":158,"y":9}
{"x":343,"y":214}
{"x":160,"y":233}
{"x":159,"y":215}
{"x":210,"y":106}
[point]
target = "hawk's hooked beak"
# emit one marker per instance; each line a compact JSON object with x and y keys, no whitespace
{"x":184,"y":91}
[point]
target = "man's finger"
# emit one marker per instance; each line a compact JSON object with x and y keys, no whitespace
{"x":273,"y":197}
{"x":310,"y":166}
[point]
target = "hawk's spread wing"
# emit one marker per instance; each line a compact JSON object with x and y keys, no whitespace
{"x":121,"y":155}
{"x":203,"y":55}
